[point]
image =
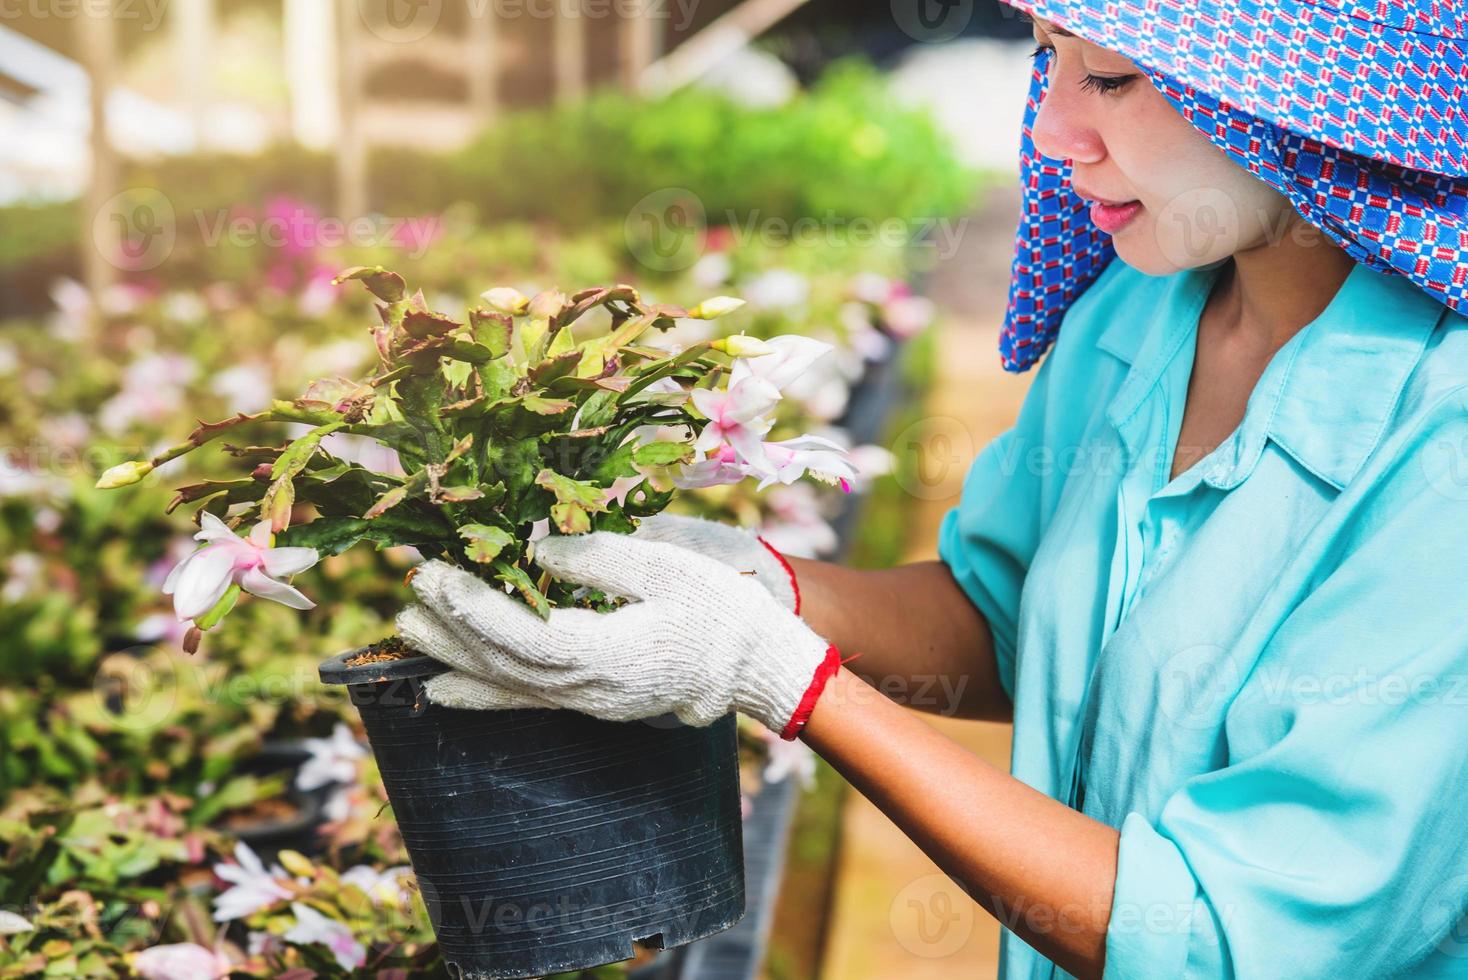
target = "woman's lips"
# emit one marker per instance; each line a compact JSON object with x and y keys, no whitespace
{"x":1111,"y":218}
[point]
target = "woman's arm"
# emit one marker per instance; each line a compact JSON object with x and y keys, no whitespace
{"x":1043,"y":869}
{"x":922,"y":642}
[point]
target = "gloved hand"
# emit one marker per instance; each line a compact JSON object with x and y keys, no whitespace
{"x":736,"y":547}
{"x":699,"y":639}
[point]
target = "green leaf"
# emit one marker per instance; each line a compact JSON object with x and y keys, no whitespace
{"x":498,"y":377}
{"x":493,"y":330}
{"x":517,"y":577}
{"x":278,"y":500}
{"x":422,"y":324}
{"x":662,"y":453}
{"x":328,"y":535}
{"x":555,"y":367}
{"x":470,"y":353}
{"x":570,"y":518}
{"x":569,"y":491}
{"x":386,"y":286}
{"x":485,"y":541}
{"x":546,"y":406}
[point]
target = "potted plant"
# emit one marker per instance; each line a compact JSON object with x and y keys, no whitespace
{"x":542,"y":841}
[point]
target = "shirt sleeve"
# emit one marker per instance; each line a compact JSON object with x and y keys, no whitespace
{"x":1331,"y":842}
{"x":990,"y":536}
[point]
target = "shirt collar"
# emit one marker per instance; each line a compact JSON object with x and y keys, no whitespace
{"x":1326,"y":395}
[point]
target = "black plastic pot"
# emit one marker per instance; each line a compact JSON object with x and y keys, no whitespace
{"x":549,"y":841}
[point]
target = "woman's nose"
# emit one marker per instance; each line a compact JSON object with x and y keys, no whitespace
{"x":1062,"y":128}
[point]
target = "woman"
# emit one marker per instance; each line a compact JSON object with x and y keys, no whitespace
{"x":1215,"y":572}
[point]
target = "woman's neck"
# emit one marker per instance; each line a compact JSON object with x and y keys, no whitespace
{"x":1269,"y":292}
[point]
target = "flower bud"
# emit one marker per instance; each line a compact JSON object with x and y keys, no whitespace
{"x":506,"y":299}
{"x":124,"y":475}
{"x":709,"y":309}
{"x":742,"y":345}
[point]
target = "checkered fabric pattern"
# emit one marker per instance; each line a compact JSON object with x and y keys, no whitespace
{"x":1356,"y":112}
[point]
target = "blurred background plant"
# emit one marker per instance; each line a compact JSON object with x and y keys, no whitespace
{"x":171,"y":816}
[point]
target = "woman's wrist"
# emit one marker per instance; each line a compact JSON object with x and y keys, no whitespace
{"x":818,"y":598}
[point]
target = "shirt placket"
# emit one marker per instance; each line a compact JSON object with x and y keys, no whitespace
{"x":1145,"y":535}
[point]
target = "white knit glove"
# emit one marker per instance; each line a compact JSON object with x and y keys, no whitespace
{"x":737,"y":547}
{"x":699,"y":639}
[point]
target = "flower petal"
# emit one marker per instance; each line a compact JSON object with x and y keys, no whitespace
{"x":211,"y":528}
{"x":260,"y":535}
{"x":256,"y":582}
{"x":204,"y":582}
{"x":280,"y":562}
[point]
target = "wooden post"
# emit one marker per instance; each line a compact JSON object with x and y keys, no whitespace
{"x":97,"y":46}
{"x":193,"y":40}
{"x":483,"y":62}
{"x":570,"y":51}
{"x":351,"y":154}
{"x":312,"y":73}
{"x":640,"y":43}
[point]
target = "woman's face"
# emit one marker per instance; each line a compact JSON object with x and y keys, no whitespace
{"x":1171,"y":199}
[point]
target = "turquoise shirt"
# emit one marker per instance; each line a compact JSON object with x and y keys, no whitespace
{"x":1257,"y":671}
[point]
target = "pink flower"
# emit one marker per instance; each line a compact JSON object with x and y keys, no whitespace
{"x":788,"y":460}
{"x":737,"y":417}
{"x":313,"y":927}
{"x":823,"y":459}
{"x":180,"y":961}
{"x":199,"y":581}
{"x":252,"y":887}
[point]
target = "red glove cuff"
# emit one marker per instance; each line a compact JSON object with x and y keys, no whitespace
{"x":824,"y":673}
{"x":788,"y":570}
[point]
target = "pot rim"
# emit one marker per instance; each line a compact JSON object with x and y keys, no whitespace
{"x":334,"y":670}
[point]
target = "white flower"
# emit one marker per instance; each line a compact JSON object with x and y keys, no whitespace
{"x":180,"y":961}
{"x":795,"y":525}
{"x":313,"y":927}
{"x":776,"y":289}
{"x":333,"y":760}
{"x":380,"y":886}
{"x":786,"y":758}
{"x":252,"y":887}
{"x":244,"y":387}
{"x":199,"y":581}
{"x":711,"y":270}
{"x":12,"y":924}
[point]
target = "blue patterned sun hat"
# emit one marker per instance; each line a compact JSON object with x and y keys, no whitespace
{"x":1354,"y":111}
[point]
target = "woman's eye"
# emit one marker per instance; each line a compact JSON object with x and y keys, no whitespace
{"x":1105,"y":84}
{"x":1041,"y":50}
